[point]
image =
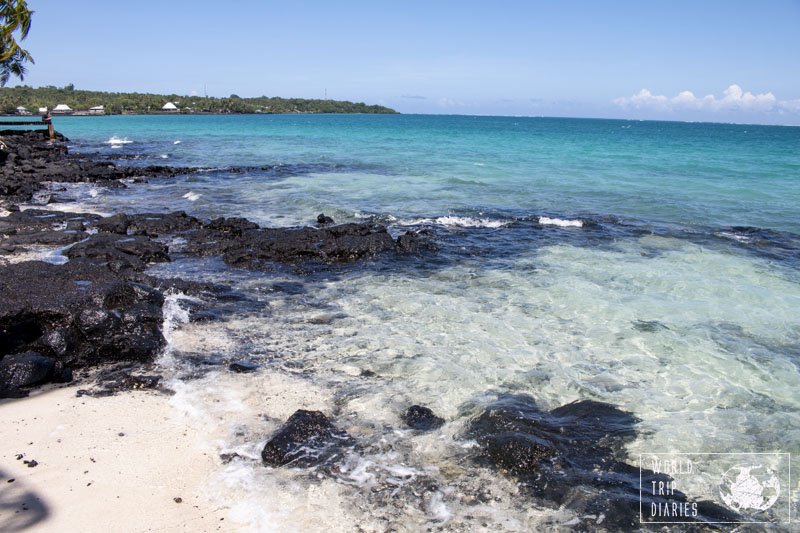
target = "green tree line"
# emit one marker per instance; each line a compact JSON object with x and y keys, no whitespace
{"x":143,"y":103}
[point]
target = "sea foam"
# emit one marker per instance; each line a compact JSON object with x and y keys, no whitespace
{"x":456,"y":222}
{"x":547,"y":221}
{"x":117,"y":141}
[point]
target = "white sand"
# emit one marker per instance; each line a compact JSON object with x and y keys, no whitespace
{"x":105,"y":464}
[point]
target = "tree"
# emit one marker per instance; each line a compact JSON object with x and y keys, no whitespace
{"x":15,"y":22}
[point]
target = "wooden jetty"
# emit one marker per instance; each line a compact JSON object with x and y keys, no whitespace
{"x":45,"y":122}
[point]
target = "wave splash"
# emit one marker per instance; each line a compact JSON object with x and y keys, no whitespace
{"x":564,"y":223}
{"x":118,"y":141}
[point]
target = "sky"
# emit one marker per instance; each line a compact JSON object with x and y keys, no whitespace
{"x":722,"y":61}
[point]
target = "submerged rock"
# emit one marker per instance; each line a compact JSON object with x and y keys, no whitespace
{"x":306,"y":439}
{"x":243,"y":367}
{"x":571,"y":456}
{"x":422,"y":418}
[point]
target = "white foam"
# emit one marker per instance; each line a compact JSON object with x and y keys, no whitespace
{"x":456,"y":222}
{"x":176,"y":142}
{"x":48,"y":254}
{"x":734,"y":236}
{"x":192,"y":196}
{"x":437,"y":509}
{"x":71,"y":207}
{"x":174,"y":316}
{"x":467,"y":222}
{"x":4,"y":213}
{"x":164,"y":156}
{"x":548,"y":221}
{"x":118,"y":141}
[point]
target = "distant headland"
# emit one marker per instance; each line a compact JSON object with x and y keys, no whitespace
{"x":68,"y":100}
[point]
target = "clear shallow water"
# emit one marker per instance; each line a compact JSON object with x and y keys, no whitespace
{"x":578,"y":259}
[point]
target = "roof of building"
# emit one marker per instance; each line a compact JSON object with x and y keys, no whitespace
{"x":62,"y":107}
{"x":169,"y":105}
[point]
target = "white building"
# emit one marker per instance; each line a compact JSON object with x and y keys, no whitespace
{"x":22,"y":110}
{"x":169,"y":107}
{"x":97,"y":110}
{"x":62,"y":109}
{"x":42,"y":110}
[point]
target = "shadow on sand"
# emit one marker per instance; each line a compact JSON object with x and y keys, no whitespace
{"x":20,"y":507}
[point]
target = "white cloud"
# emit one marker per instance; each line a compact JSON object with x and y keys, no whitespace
{"x":734,"y":98}
{"x":790,"y":105}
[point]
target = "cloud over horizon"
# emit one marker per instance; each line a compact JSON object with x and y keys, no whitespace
{"x":734,"y":98}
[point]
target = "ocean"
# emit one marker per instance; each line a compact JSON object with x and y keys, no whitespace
{"x":651,"y":265}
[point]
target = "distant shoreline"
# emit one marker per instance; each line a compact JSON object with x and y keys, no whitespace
{"x":72,"y":100}
{"x":204,"y":113}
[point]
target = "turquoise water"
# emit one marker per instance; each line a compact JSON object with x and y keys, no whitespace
{"x":419,"y":165}
{"x":651,"y":265}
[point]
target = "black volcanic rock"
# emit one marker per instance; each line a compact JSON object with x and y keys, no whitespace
{"x":242,"y":245}
{"x":149,"y":224}
{"x":306,"y":439}
{"x":80,"y":313}
{"x":422,"y":418}
{"x":19,"y":371}
{"x":31,"y":160}
{"x":37,"y":220}
{"x":323,"y":219}
{"x":129,"y":251}
{"x":243,"y":367}
{"x":569,"y":456}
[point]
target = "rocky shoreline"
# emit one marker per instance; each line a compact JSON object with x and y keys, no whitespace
{"x":97,"y":306}
{"x":92,"y":310}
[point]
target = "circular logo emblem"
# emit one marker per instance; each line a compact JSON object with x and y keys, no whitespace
{"x":749,"y":488}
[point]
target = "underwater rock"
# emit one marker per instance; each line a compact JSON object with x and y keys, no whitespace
{"x":307,"y":438}
{"x":243,"y":367}
{"x":422,"y":418}
{"x":570,"y":456}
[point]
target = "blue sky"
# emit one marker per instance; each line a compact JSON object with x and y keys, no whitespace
{"x":699,"y":60}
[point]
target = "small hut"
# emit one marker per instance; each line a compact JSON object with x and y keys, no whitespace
{"x":22,"y":110}
{"x":97,"y":110}
{"x":62,"y":109}
{"x":169,"y":107}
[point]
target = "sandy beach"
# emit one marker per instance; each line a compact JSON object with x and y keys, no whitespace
{"x":124,"y":462}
